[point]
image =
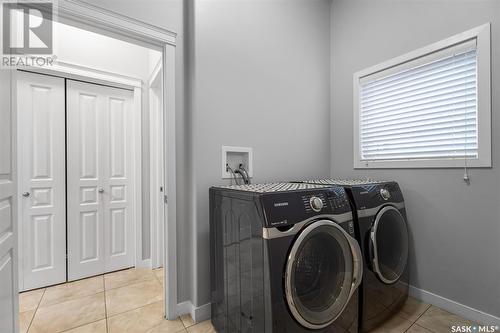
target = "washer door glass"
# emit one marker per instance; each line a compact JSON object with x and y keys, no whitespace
{"x":319,"y":274}
{"x":389,"y":238}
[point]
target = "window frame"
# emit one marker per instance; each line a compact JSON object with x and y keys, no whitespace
{"x":482,"y":35}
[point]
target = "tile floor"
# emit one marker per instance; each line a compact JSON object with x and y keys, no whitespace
{"x":119,"y":302}
{"x":418,"y":317}
{"x":132,"y":301}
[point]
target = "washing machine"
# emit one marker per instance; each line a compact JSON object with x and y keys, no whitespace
{"x":382,"y":230}
{"x":284,"y":258}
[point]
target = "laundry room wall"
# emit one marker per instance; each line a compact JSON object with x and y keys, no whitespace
{"x":261,"y":81}
{"x":454,"y":227}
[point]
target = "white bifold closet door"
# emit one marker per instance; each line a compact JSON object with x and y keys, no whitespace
{"x":99,"y":179}
{"x":42,"y":179}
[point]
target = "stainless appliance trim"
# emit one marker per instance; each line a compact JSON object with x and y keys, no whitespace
{"x":273,"y":232}
{"x":373,"y":237}
{"x":373,"y":211}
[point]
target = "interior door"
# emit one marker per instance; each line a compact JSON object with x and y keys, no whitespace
{"x":100,"y":186}
{"x":9,"y":306}
{"x":42,"y":177}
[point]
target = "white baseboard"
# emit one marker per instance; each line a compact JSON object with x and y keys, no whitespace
{"x":465,"y":311}
{"x":198,"y":313}
{"x":184,"y":308}
{"x":201,"y":313}
{"x":146,"y":263}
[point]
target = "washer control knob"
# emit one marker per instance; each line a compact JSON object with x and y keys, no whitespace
{"x":385,"y":194}
{"x":316,"y":204}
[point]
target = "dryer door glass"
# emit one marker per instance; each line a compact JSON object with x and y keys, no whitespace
{"x":319,"y":274}
{"x":389,"y":238}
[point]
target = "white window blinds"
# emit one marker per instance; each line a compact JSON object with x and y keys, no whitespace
{"x":423,"y":109}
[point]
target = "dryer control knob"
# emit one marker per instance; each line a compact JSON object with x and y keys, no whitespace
{"x":386,"y":195}
{"x":316,"y":204}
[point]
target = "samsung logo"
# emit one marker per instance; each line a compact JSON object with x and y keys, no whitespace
{"x":280,"y":204}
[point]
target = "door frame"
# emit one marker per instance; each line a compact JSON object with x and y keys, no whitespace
{"x":156,"y":141}
{"x":129,"y":28}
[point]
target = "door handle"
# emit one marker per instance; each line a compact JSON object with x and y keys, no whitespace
{"x":101,"y":190}
{"x":26,"y":194}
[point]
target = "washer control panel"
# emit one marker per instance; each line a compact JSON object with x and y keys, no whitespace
{"x":316,"y":203}
{"x":293,"y":207}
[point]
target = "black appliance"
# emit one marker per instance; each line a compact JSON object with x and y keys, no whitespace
{"x":283,"y":259}
{"x":380,"y":216}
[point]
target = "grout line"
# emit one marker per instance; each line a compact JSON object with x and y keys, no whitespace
{"x":139,"y":307}
{"x":72,"y":328}
{"x":105,"y":306}
{"x":71,"y":298}
{"x":430,"y":305}
{"x":34,"y":313}
{"x":418,"y":317}
{"x":132,"y":283}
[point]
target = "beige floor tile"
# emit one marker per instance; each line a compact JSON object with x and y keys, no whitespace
{"x":149,"y":318}
{"x":133,"y":296}
{"x":168,"y":326}
{"x":440,"y":321}
{"x":203,"y":327}
{"x":25,"y":320}
{"x":96,"y":327}
{"x":29,"y":300}
{"x":413,"y":308}
{"x":127,"y":277}
{"x":68,"y":291}
{"x":396,"y":324}
{"x":70,"y":314}
{"x":418,"y":329}
{"x":187,"y":320}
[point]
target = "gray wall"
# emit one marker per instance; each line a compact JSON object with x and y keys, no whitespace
{"x":261,"y":80}
{"x":455,"y":228}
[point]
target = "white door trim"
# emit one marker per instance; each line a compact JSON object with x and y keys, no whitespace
{"x":157,"y":169}
{"x":82,"y":73}
{"x":90,"y":14}
{"x":116,"y":23}
{"x":9,"y":245}
{"x":137,"y":175}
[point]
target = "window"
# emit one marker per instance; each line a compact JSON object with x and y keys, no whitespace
{"x":428,"y":108}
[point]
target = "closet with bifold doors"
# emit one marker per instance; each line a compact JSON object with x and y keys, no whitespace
{"x":76,"y":179}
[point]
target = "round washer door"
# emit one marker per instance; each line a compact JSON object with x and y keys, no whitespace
{"x":323,"y":270}
{"x":389,"y":242}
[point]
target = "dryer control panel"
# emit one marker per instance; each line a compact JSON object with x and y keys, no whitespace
{"x":373,"y":195}
{"x":288,"y":208}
